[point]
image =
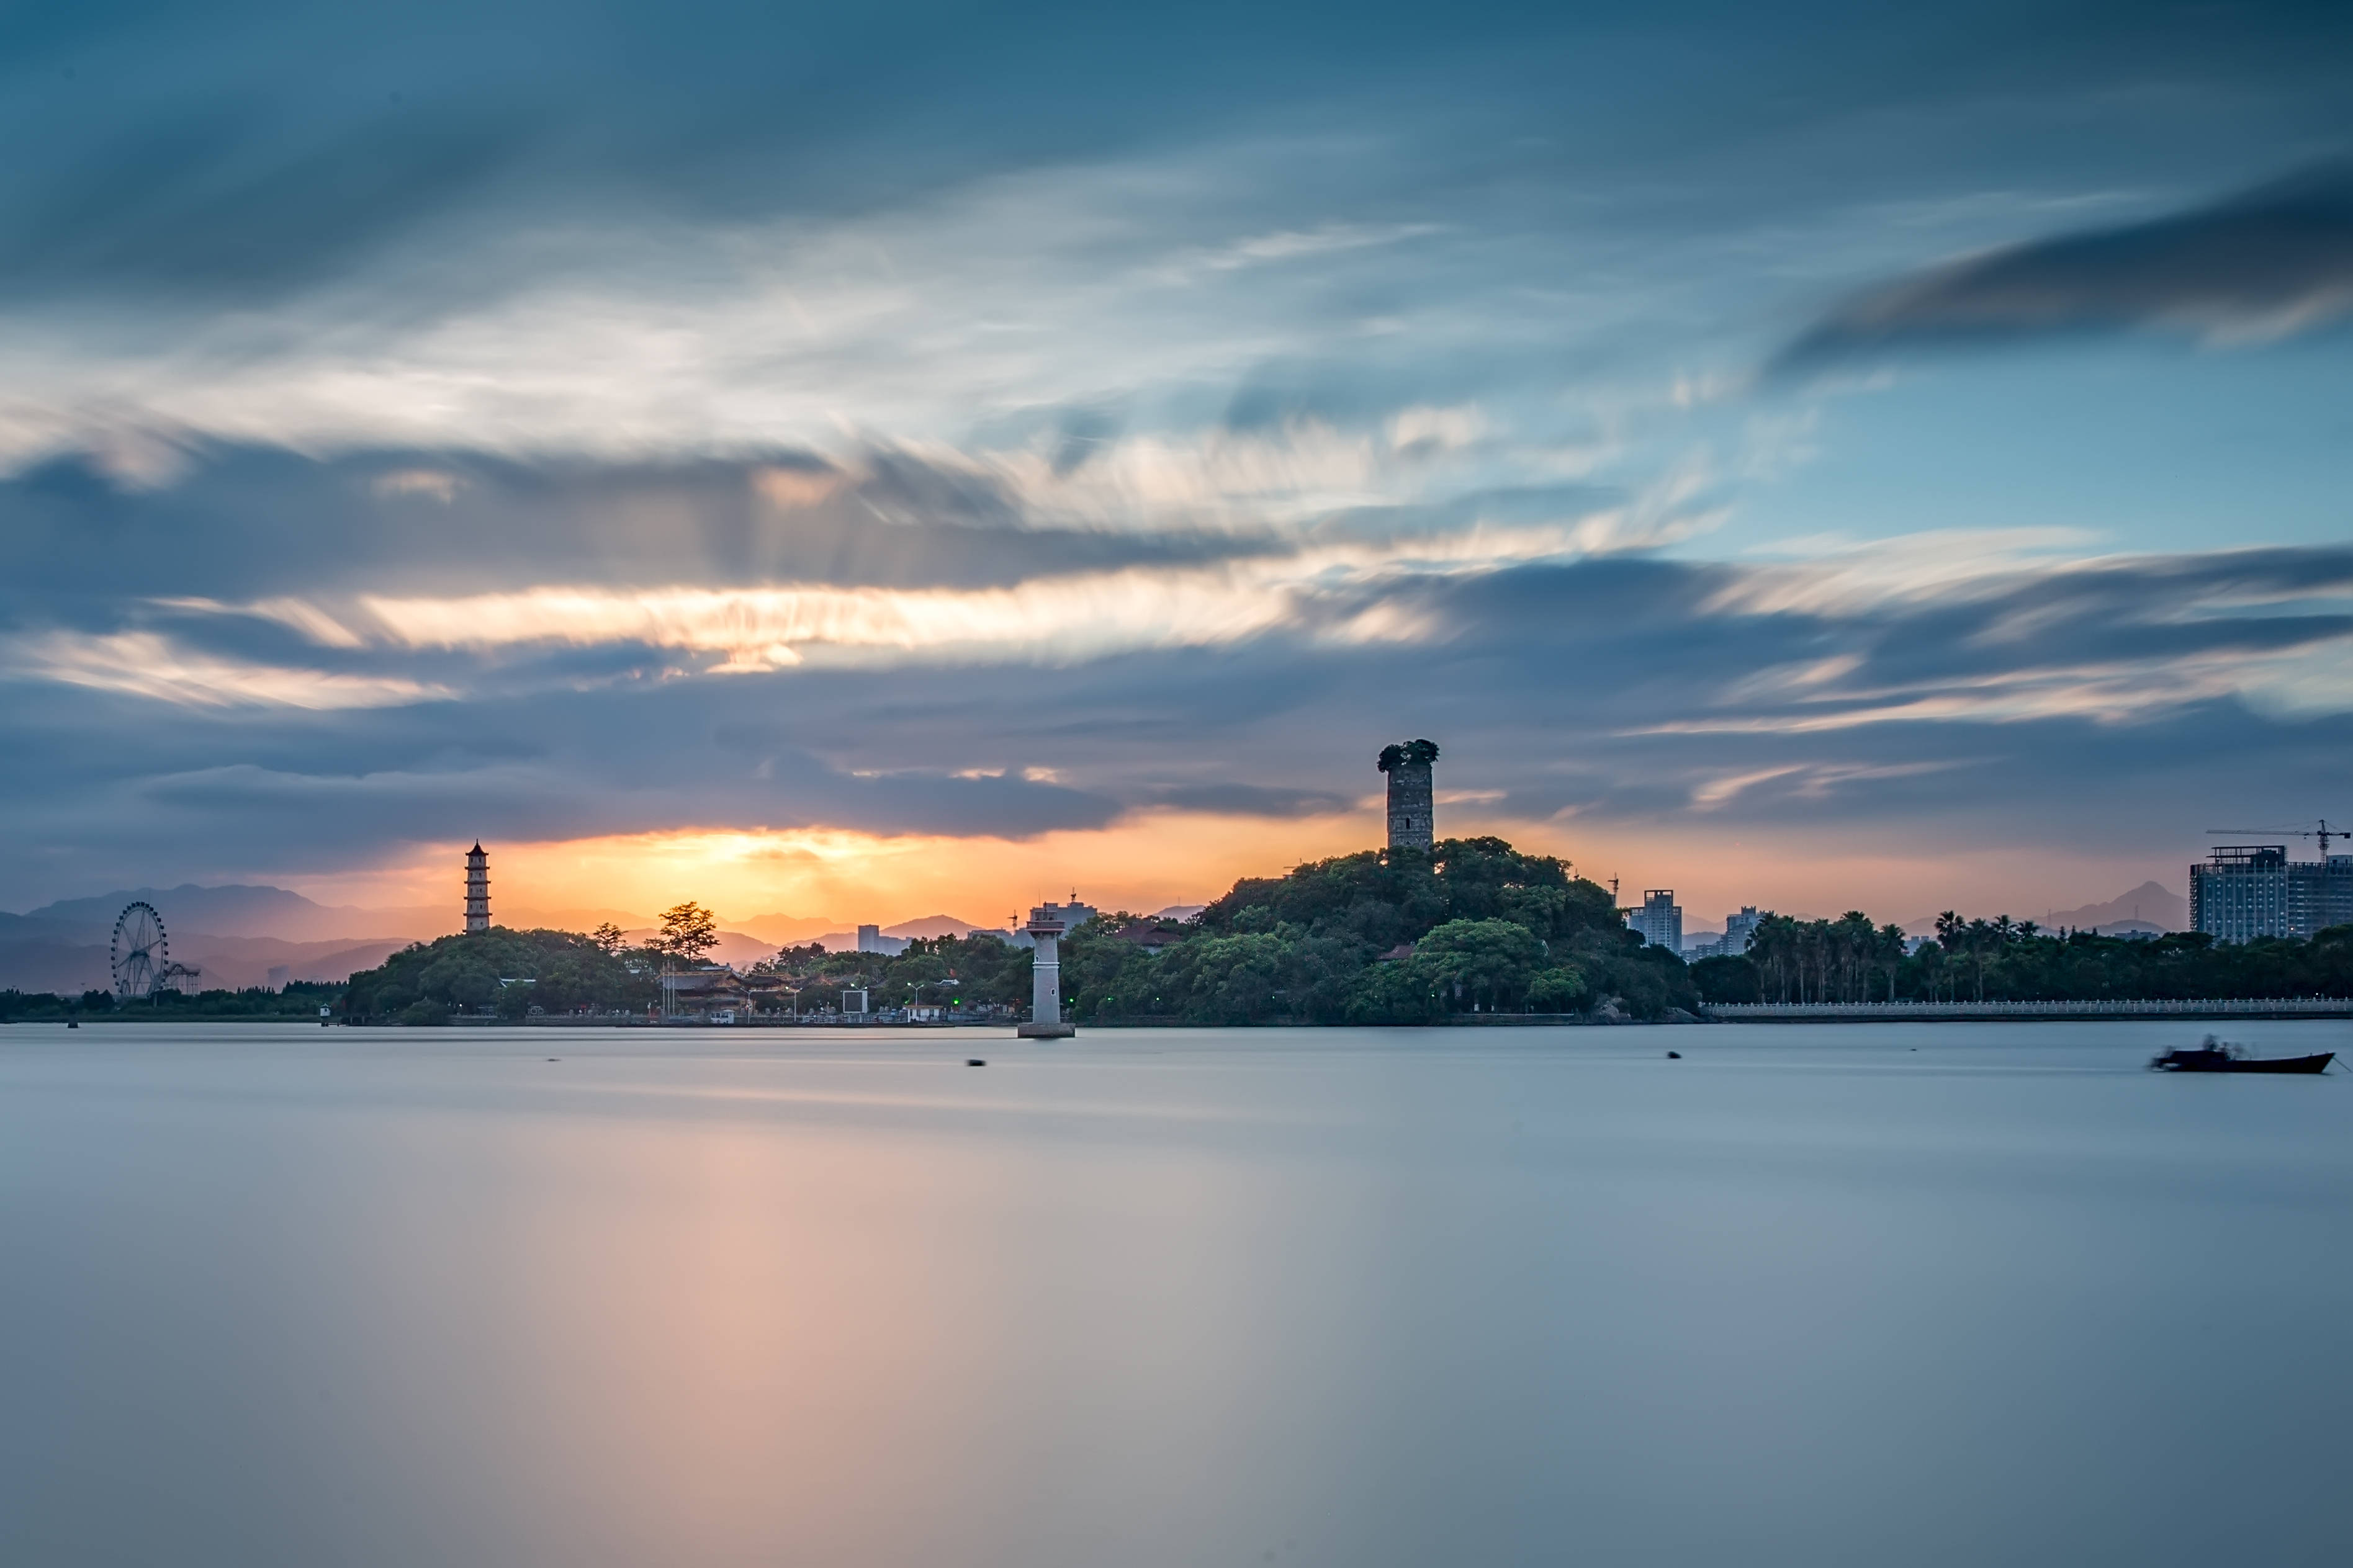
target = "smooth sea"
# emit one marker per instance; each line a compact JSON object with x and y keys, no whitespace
{"x":1918,"y":1294}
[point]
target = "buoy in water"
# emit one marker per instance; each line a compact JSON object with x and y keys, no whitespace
{"x":1674,"y":1056}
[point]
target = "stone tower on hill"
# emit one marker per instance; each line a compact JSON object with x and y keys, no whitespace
{"x":1412,"y":824}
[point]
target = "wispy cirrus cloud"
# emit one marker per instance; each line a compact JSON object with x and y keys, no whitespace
{"x":1338,"y":594}
{"x":2274,"y":261}
{"x":167,"y":670}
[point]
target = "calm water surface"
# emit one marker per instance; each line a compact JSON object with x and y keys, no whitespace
{"x":1915,"y":1294}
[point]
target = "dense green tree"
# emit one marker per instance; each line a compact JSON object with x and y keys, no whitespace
{"x":302,"y":999}
{"x":2003,"y":960}
{"x":1482,"y":965}
{"x":1726,"y":978}
{"x":1648,"y":982}
{"x":560,"y":972}
{"x":973,"y":971}
{"x":688,"y":931}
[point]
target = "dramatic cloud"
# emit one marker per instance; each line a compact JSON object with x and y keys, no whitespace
{"x":2274,"y":261}
{"x":913,"y":441}
{"x":1581,"y":691}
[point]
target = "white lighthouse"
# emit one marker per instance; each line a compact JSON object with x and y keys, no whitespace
{"x":478,"y":889}
{"x":1047,"y":924}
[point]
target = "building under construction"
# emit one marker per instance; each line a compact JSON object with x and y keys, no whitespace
{"x":2242,"y":891}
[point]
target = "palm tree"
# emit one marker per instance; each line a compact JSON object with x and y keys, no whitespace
{"x":1932,"y":964}
{"x":1951,"y":932}
{"x":1979,"y":936}
{"x":1858,"y":943}
{"x":1891,"y":953}
{"x":1772,"y":950}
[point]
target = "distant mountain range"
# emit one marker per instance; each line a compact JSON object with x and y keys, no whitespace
{"x":2148,"y":907}
{"x":2150,"y":904}
{"x":784,"y":931}
{"x":235,"y":936}
{"x":897,"y":936}
{"x":45,"y":956}
{"x":245,"y":910}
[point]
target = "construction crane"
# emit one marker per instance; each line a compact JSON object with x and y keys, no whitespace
{"x":2320,"y":830}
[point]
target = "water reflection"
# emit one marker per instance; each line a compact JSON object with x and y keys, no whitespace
{"x":1805,"y":1295}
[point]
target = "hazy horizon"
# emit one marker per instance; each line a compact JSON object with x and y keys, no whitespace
{"x":781,"y":927}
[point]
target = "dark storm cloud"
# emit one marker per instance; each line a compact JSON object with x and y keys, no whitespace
{"x":234,"y":150}
{"x":135,"y":784}
{"x":249,"y":522}
{"x":190,"y":204}
{"x":2274,"y":259}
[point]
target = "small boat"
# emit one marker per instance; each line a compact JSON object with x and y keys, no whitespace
{"x":2211,"y":1055}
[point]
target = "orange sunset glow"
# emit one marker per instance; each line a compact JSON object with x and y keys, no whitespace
{"x":830,"y":873}
{"x":830,"y":878}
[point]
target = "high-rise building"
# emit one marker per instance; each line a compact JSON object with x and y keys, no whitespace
{"x":478,"y":889}
{"x":2319,"y":894}
{"x":1659,"y":920}
{"x":2243,"y":891}
{"x":1413,"y":810}
{"x":1739,"y":930}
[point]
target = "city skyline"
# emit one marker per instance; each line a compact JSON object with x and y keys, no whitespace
{"x":922,"y":460}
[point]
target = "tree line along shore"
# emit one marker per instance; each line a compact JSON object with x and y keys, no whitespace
{"x":1475,"y":926}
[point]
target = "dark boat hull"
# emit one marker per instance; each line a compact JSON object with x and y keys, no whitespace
{"x":2218,"y":1063}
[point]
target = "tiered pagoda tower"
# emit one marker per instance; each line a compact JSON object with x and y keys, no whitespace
{"x":478,"y":889}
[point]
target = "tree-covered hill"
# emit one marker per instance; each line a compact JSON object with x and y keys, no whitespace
{"x":567,"y":972}
{"x":1383,"y":938}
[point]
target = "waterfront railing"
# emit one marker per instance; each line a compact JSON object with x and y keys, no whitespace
{"x":1924,"y":1012}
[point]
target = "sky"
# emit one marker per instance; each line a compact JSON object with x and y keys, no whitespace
{"x":862,"y":462}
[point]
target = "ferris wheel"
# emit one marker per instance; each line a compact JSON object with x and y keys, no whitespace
{"x":140,"y":954}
